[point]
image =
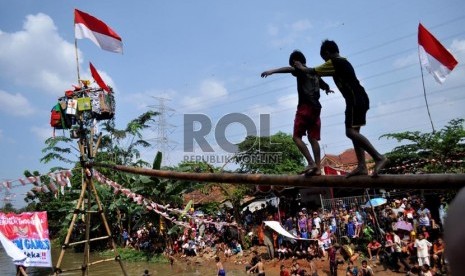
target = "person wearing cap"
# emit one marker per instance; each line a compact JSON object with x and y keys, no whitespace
{"x":302,"y":223}
{"x":317,"y":221}
{"x":397,"y":209}
{"x":404,"y":202}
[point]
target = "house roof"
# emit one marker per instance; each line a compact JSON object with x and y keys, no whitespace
{"x":215,"y":194}
{"x":347,"y":157}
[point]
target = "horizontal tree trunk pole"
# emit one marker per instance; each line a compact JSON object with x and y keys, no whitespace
{"x":389,"y":181}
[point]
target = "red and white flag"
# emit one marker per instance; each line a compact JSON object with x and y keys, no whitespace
{"x":433,"y":56}
{"x":98,"y":79}
{"x":87,"y":26}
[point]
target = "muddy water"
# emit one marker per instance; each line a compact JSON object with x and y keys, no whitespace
{"x":74,"y":260}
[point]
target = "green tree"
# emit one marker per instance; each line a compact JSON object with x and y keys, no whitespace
{"x":8,"y":208}
{"x":442,"y":151}
{"x":117,"y":146}
{"x":275,"y":154}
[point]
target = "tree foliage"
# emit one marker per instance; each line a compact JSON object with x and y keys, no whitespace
{"x":275,"y":154}
{"x":442,"y":151}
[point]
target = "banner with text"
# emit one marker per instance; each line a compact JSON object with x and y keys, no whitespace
{"x":29,"y":233}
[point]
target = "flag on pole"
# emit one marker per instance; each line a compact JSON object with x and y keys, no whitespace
{"x":87,"y":26}
{"x":433,"y":56}
{"x":98,"y":79}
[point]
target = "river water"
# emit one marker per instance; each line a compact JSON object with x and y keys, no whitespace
{"x":73,"y":260}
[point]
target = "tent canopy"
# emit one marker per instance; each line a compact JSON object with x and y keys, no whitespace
{"x":276,"y":226}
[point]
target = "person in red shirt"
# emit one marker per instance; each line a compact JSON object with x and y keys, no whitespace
{"x":284,"y":272}
{"x":374,"y":247}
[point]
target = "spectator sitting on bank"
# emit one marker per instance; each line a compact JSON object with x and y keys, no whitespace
{"x":252,"y":262}
{"x":237,"y":249}
{"x":352,"y":269}
{"x":282,"y":252}
{"x":366,"y":270}
{"x":373,"y":247}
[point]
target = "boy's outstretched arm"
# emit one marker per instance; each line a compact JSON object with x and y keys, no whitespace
{"x":324,"y":86}
{"x":299,"y":66}
{"x":278,"y":70}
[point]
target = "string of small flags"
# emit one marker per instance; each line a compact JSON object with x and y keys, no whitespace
{"x":162,"y":210}
{"x":413,"y":165}
{"x":57,"y":179}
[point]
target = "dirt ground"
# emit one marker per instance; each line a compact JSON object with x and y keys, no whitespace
{"x":272,"y":267}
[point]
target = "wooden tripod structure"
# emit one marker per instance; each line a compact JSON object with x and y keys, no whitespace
{"x":87,"y":195}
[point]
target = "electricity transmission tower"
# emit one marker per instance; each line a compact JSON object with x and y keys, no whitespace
{"x":163,"y":128}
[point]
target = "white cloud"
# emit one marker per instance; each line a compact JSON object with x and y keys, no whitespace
{"x":301,"y":26}
{"x":15,"y":104}
{"x":273,"y":30}
{"x":293,"y":31}
{"x":42,"y":133}
{"x":458,"y":47}
{"x":212,"y":88}
{"x":406,"y":60}
{"x":37,"y":56}
{"x":210,"y":91}
{"x":149,"y":99}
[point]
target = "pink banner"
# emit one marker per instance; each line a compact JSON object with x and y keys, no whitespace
{"x":29,"y":232}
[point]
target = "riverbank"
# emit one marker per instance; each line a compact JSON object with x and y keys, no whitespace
{"x":235,"y":265}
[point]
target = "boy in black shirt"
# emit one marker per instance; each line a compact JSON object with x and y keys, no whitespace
{"x":357,"y":103}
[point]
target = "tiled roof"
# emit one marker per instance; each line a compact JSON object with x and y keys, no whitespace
{"x":215,"y":194}
{"x":346,"y":158}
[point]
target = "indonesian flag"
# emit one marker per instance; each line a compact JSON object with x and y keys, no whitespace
{"x":87,"y":26}
{"x":433,"y":56}
{"x":98,"y":79}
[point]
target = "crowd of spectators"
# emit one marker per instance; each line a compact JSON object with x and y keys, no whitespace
{"x":401,"y":234}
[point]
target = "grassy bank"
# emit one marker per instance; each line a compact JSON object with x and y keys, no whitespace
{"x":132,"y":255}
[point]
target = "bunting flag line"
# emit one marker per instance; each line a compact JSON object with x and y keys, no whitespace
{"x":87,"y":26}
{"x":155,"y":207}
{"x":434,"y":56}
{"x":59,"y":177}
{"x":97,"y":78}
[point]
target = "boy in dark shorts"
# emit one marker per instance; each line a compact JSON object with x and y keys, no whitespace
{"x":219,"y":267}
{"x":357,"y":103}
{"x":307,"y":118}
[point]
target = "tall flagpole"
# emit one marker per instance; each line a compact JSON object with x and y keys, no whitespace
{"x":424,"y":90}
{"x":77,"y":60}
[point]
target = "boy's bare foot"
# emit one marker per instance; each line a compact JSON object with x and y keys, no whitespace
{"x":315,"y":171}
{"x":308,"y":169}
{"x":379,"y":165}
{"x":357,"y":171}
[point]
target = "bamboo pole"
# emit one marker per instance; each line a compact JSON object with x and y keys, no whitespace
{"x":417,"y":181}
{"x":107,"y":228}
{"x":70,"y":228}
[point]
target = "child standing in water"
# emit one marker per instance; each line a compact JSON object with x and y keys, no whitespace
{"x":219,"y":267}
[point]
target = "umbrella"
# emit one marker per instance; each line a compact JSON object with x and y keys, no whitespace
{"x":198,"y":213}
{"x":404,"y":225}
{"x":378,"y":201}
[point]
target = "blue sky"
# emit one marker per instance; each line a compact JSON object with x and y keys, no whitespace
{"x":206,"y":57}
